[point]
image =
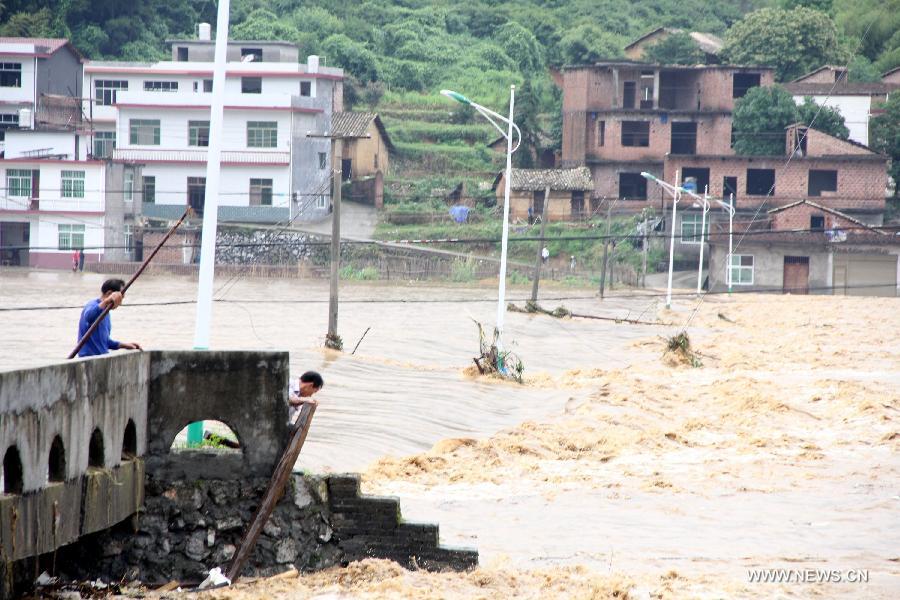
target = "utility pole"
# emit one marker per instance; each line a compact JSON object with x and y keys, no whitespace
{"x":540,"y":250}
{"x":605,"y":249}
{"x":332,"y":340}
{"x":644,"y":250}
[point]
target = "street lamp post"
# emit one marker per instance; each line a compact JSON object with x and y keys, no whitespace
{"x":675,"y":191}
{"x":705,"y":205}
{"x":730,"y":208}
{"x":490,"y":116}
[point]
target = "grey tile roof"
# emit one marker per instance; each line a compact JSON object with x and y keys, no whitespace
{"x":355,"y":125}
{"x":577,"y":179}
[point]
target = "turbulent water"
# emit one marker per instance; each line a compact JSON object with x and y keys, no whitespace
{"x":617,"y":469}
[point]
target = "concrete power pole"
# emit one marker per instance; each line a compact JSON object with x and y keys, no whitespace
{"x":332,"y":340}
{"x":540,"y":258}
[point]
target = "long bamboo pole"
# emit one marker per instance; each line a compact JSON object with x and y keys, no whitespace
{"x":143,"y":266}
{"x":273,"y":493}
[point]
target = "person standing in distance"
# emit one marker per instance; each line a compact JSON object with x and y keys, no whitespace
{"x":100,"y":342}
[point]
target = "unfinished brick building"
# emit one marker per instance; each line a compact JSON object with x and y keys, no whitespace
{"x":621,"y":118}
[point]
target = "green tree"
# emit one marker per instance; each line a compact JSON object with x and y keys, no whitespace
{"x":861,"y":70}
{"x":352,"y":56}
{"x":29,"y":24}
{"x":262,"y":24}
{"x":760,"y":118}
{"x":520,"y":45}
{"x":885,"y":136}
{"x":793,"y":41}
{"x":587,"y":44}
{"x":676,"y":49}
{"x":824,"y":118}
{"x":825,"y":6}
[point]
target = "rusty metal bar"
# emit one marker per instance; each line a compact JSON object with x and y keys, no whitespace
{"x":273,"y":494}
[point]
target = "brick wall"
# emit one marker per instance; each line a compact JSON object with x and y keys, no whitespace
{"x":798,"y":217}
{"x":174,"y":250}
{"x":713,"y":135}
{"x":559,"y":208}
{"x":861,"y":183}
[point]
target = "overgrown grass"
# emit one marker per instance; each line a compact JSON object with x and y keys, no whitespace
{"x":351,"y":273}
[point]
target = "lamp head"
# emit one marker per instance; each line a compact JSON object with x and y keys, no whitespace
{"x":456,"y":96}
{"x":647,"y":175}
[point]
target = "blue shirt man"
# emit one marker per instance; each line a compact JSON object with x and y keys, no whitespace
{"x":100,"y":341}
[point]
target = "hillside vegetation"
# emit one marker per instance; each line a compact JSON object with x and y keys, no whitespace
{"x":399,"y":53}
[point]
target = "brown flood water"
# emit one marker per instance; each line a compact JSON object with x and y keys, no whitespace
{"x":611,"y":470}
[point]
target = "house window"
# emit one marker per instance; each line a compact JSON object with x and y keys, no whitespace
{"x":635,"y":133}
{"x":629,"y":92}
{"x":251,"y":85}
{"x":207,"y":86}
{"x":128,"y":186}
{"x":323,"y":160}
{"x":251,"y":54}
{"x":70,"y":236}
{"x":306,"y":88}
{"x":691,"y":229}
{"x":684,"y":138}
{"x":11,"y":75}
{"x":148,"y":189}
{"x":196,"y":192}
{"x":632,"y":186}
{"x":741,"y":271}
{"x":260,"y":192}
{"x":700,"y":177}
{"x":198,"y":133}
{"x":104,"y":144}
{"x":182,"y":52}
{"x":160,"y":86}
{"x":647,"y":85}
{"x":741,"y":83}
{"x":322,"y":202}
{"x":18,"y":183}
{"x":821,"y":181}
{"x":262,"y":134}
{"x":129,"y":238}
{"x":761,"y":182}
{"x":105,"y":90}
{"x":144,"y":132}
{"x":72,"y":184}
{"x":7,"y":120}
{"x":601,"y":133}
{"x":729,"y":188}
{"x":817,"y":222}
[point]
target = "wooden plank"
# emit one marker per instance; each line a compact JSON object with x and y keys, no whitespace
{"x":273,"y":494}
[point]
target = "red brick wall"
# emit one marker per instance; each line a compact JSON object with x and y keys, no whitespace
{"x":861,"y":184}
{"x":892,"y":78}
{"x":798,"y":217}
{"x":172,"y":252}
{"x":822,"y":144}
{"x":826,"y":75}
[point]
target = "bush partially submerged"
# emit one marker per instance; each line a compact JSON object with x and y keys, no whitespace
{"x":491,"y":361}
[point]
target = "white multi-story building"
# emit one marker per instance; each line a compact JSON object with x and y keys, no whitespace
{"x":857,"y":102}
{"x":157,"y":115}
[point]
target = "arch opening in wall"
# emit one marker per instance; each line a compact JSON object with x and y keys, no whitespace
{"x":12,"y":477}
{"x":129,"y":441}
{"x":217,"y":437}
{"x":56,"y":470}
{"x":96,"y":451}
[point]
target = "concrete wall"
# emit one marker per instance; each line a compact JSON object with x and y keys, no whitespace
{"x":25,"y":94}
{"x":768,"y":266}
{"x":855,"y":110}
{"x":245,"y":390}
{"x":368,"y":155}
{"x":61,"y":73}
{"x":70,"y":401}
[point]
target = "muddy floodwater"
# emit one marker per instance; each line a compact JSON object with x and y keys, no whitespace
{"x":617,"y":468}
